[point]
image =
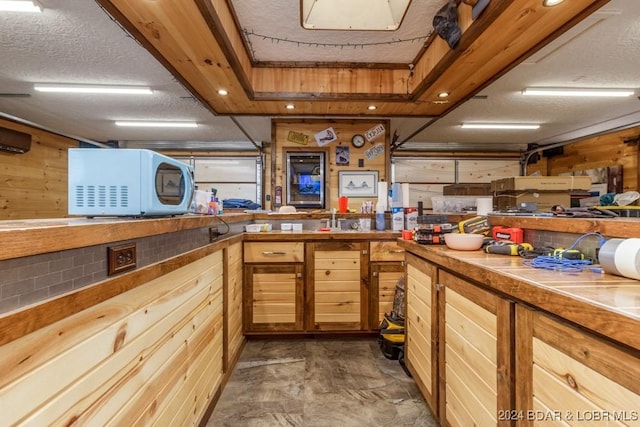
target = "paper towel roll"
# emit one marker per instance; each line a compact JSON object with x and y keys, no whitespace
{"x":405,"y":195}
{"x":383,"y":193}
{"x":396,"y":195}
{"x":484,"y":205}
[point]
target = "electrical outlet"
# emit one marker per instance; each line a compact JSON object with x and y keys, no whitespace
{"x":121,"y":258}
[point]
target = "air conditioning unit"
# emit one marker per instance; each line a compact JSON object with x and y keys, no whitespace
{"x":14,"y":141}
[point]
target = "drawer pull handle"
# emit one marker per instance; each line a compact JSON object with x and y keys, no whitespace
{"x":396,"y":251}
{"x":273,"y":253}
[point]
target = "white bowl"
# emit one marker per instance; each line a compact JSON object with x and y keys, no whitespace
{"x":463,"y":241}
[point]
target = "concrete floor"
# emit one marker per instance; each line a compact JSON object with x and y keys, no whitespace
{"x":319,"y":382}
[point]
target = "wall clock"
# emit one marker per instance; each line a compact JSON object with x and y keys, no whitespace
{"x":357,"y":140}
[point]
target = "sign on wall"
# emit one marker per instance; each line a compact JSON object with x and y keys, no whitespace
{"x":326,"y":136}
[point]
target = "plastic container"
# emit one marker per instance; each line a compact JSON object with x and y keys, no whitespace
{"x":397,"y":219}
{"x":380,"y":216}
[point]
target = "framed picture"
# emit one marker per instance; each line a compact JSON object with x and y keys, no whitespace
{"x":342,"y":155}
{"x":358,"y":183}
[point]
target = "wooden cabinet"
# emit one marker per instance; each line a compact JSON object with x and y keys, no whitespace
{"x":319,"y":286}
{"x":232,"y":296}
{"x":386,"y":268}
{"x":274,"y":278}
{"x":337,"y":286}
{"x":565,"y":374}
{"x":475,"y":336}
{"x":421,"y":346}
{"x":459,"y":339}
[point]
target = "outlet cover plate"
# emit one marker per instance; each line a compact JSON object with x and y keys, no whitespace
{"x":121,"y":258}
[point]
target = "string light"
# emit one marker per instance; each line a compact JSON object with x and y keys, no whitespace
{"x":299,"y":43}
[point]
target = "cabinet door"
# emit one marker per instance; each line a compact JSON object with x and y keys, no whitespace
{"x":337,"y":286}
{"x":475,"y":341}
{"x":274,"y":297}
{"x":384,"y":278}
{"x":567,"y":375}
{"x":422,"y":327}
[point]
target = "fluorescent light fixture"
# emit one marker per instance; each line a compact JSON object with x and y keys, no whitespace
{"x":103,"y":89}
{"x":20,"y":6}
{"x":498,"y":126}
{"x":157,"y":124}
{"x":549,"y":91}
{"x":383,"y":15}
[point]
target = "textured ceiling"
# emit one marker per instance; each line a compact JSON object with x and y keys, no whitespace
{"x":273,"y":32}
{"x":75,"y":41}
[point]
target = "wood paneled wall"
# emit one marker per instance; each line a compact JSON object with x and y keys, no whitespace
{"x":149,"y":356}
{"x":34,"y":184}
{"x":597,"y":152}
{"x":275,"y":167}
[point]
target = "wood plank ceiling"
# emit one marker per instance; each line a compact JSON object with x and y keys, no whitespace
{"x":202,"y":43}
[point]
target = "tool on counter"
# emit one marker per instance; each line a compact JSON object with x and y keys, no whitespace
{"x":475,"y":225}
{"x":507,"y":248}
{"x":568,"y":253}
{"x":512,"y":234}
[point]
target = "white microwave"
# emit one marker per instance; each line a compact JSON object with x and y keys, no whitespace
{"x":127,"y":182}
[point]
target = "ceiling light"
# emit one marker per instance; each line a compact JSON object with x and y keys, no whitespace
{"x":549,"y":3}
{"x":542,"y":91}
{"x":20,"y":6}
{"x":70,"y":88}
{"x":223,"y":92}
{"x":498,"y":126}
{"x":157,"y":124}
{"x":372,"y":107}
{"x":353,"y":14}
{"x":443,"y":94}
{"x":290,"y":106}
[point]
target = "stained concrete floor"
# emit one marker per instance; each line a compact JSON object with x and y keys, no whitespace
{"x":319,"y":382}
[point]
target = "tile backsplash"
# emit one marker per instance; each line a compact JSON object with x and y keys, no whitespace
{"x":32,"y":279}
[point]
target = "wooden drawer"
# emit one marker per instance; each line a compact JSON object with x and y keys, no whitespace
{"x":386,"y":251}
{"x":270,"y":252}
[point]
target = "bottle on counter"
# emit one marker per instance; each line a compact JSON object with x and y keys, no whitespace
{"x":213,"y":207}
{"x":380,"y":216}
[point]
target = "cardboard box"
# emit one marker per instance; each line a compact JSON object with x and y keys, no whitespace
{"x":482,"y":189}
{"x":541,"y":183}
{"x":544,"y":200}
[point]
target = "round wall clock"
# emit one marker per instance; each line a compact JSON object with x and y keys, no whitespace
{"x":357,"y":140}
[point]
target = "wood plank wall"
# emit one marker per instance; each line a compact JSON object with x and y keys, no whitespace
{"x":34,"y":184}
{"x":596,"y":152}
{"x":275,"y":164}
{"x":149,"y":356}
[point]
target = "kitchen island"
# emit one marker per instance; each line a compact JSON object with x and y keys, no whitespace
{"x":486,"y":336}
{"x":491,"y":341}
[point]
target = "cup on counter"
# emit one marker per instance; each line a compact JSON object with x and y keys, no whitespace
{"x":407,"y":234}
{"x":343,"y":204}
